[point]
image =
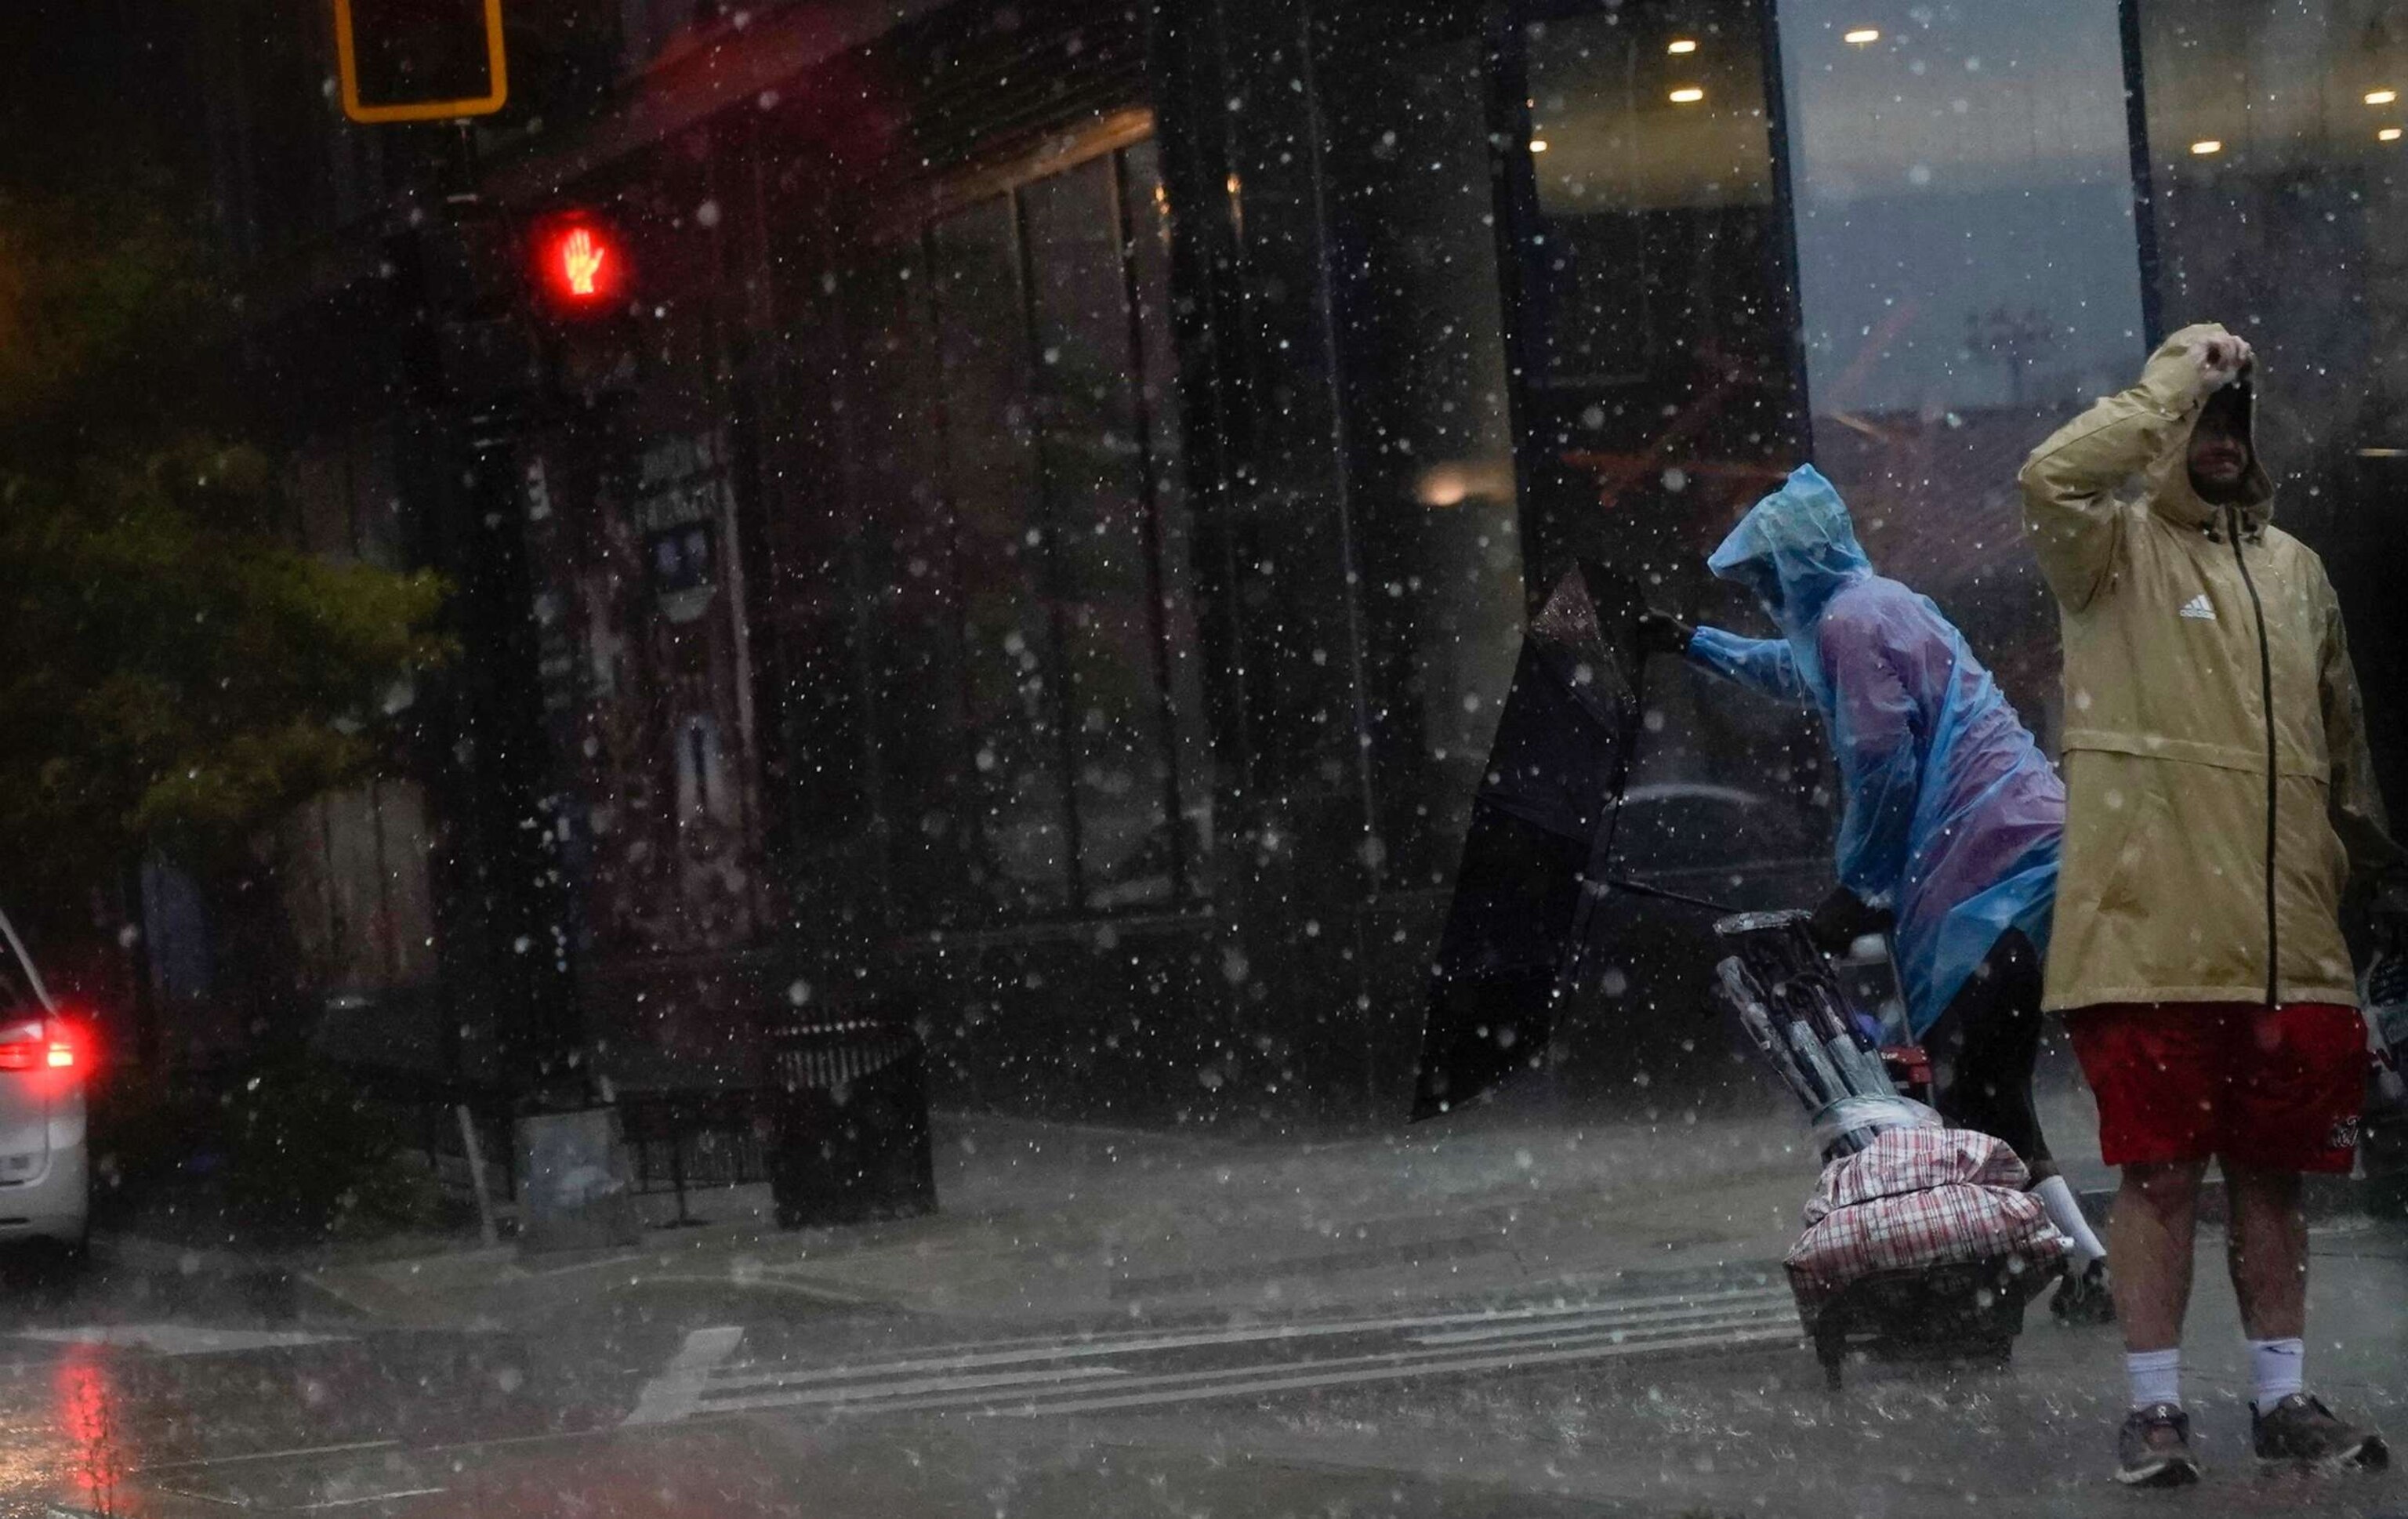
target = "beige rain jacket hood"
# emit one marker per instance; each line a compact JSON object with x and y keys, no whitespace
{"x":2218,"y":791}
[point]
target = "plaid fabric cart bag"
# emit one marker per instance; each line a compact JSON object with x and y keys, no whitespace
{"x":1925,"y":1242}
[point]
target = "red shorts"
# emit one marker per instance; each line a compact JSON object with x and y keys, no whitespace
{"x":2269,"y":1088}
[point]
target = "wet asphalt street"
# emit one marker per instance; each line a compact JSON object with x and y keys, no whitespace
{"x":174,"y":1389}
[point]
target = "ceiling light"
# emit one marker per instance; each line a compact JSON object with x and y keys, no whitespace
{"x":2381,"y":98}
{"x":2389,"y":133}
{"x":1537,"y":145}
{"x":1862,"y":35}
{"x":1681,"y":44}
{"x":1687,"y":94}
{"x":2206,"y":146}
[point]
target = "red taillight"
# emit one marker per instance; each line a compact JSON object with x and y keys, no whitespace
{"x":52,"y":1045}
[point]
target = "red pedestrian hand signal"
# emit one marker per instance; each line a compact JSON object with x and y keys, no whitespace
{"x":580,"y":261}
{"x":580,"y":264}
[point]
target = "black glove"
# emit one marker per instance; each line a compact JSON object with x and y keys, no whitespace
{"x":1661,"y":632}
{"x":1842,"y":919}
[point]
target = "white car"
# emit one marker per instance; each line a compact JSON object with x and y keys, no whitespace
{"x":45,"y":1062}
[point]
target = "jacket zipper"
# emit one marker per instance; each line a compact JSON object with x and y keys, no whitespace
{"x":2266,"y":712}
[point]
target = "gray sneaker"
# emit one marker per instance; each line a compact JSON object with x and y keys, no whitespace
{"x":2153,"y":1449}
{"x":2300,"y":1430}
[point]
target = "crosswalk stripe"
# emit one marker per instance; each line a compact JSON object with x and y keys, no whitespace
{"x":1139,"y":1341}
{"x":1770,"y":1308}
{"x":677,"y":1391}
{"x":1734,"y":1331}
{"x":1118,"y":1399}
{"x":922,"y":1386}
{"x":741,"y":1377}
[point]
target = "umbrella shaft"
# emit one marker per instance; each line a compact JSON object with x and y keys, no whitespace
{"x":1644,"y":889}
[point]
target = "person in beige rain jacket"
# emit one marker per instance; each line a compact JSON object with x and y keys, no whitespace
{"x":2217,"y":803}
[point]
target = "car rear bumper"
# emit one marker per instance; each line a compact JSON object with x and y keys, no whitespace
{"x":55,"y":1206}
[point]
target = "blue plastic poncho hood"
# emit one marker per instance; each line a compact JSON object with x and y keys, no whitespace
{"x":1950,"y":812}
{"x":1795,"y":550}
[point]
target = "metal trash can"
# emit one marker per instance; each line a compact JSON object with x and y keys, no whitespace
{"x":850,"y":1095}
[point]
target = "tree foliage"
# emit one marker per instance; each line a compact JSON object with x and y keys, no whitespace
{"x":174,"y":671}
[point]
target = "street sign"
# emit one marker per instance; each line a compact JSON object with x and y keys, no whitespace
{"x":419,"y":60}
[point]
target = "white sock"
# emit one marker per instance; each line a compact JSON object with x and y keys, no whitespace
{"x":2275,"y":1368}
{"x":2065,"y":1211}
{"x":2155,"y":1376}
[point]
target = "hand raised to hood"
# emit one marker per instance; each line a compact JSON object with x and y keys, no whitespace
{"x":2222,"y":358}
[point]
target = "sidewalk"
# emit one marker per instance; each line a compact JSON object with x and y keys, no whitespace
{"x":1047,"y":1222}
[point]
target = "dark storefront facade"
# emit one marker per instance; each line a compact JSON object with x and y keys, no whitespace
{"x":1047,"y":546}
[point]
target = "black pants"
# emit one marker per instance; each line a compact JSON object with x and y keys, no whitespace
{"x":1985,"y":1046}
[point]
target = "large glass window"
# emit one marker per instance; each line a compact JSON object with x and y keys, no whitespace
{"x":1656,"y":336}
{"x":1967,"y":277}
{"x":2278,"y":164}
{"x":1012,"y":444}
{"x":1431,"y":451}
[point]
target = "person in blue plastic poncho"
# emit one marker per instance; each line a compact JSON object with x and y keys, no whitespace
{"x":1952,"y":818}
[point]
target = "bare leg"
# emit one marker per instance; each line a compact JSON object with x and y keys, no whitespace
{"x":2150,"y":1239}
{"x":2268,"y":1252}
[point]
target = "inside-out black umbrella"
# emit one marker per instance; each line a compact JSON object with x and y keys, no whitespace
{"x":1535,"y":857}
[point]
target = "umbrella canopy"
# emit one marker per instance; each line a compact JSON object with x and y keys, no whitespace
{"x":1541,"y":827}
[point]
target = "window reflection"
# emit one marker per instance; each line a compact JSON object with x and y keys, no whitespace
{"x":1660,"y":382}
{"x":1011,"y":439}
{"x":2290,"y":234}
{"x":1427,"y":415}
{"x":1644,"y":149}
{"x":1967,"y":275}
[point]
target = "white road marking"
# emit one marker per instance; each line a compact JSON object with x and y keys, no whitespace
{"x":1528,"y":1331}
{"x":174,"y":1339}
{"x":677,"y":1391}
{"x":187,"y":1493}
{"x":1138,"y":1342}
{"x":1396,"y":1363}
{"x":371,"y":1497}
{"x":294,"y":1454}
{"x":1033,"y":1375}
{"x":919,"y":1388}
{"x":1393,"y":1373}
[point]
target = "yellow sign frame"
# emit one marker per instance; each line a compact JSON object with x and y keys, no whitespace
{"x":497,"y":69}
